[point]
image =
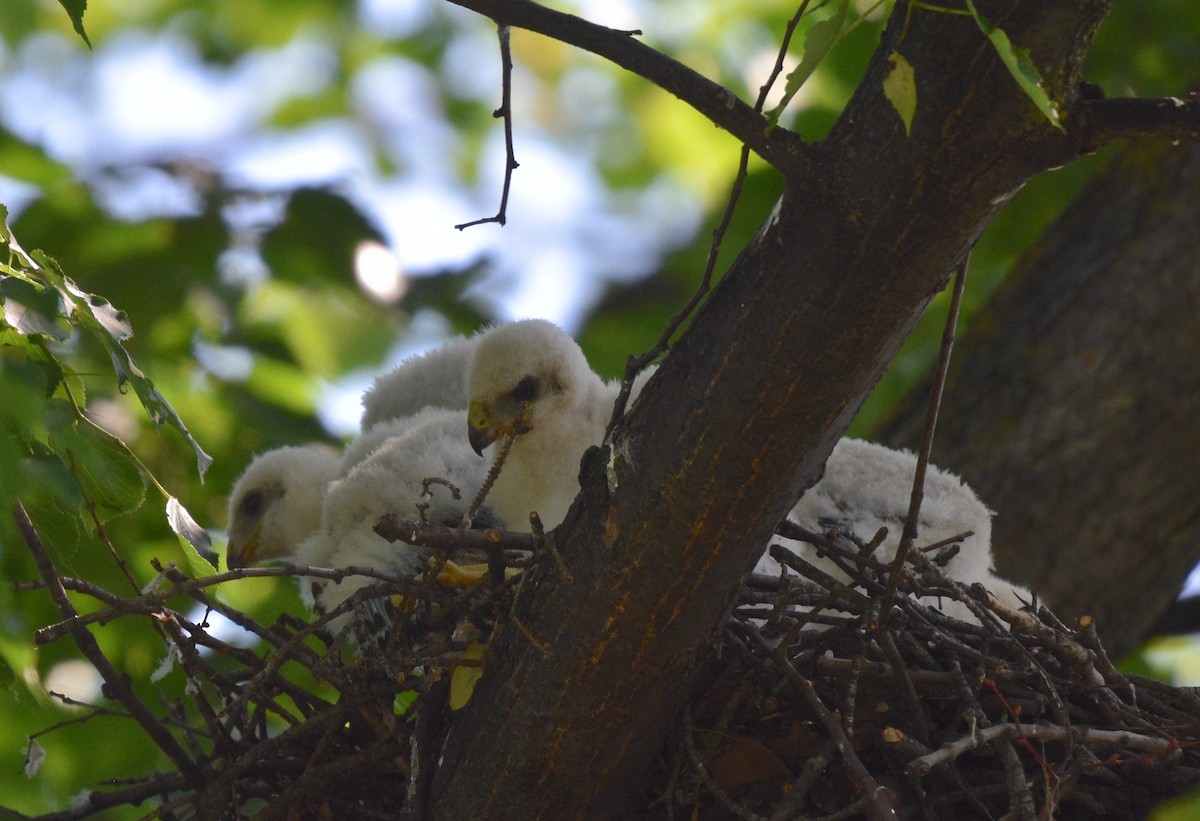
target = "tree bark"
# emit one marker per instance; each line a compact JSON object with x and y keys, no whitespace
{"x":1072,"y":403}
{"x":574,"y":704}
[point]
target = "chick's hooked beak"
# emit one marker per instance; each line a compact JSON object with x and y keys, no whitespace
{"x":480,"y":430}
{"x":483,"y":427}
{"x":241,"y":554}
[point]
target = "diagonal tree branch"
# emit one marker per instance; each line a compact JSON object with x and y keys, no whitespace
{"x":778,"y":146}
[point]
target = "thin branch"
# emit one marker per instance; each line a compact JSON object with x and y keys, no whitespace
{"x":935,"y":401}
{"x":1041,"y":732}
{"x":154,"y":602}
{"x":1168,"y":118}
{"x":118,"y":685}
{"x":504,"y":112}
{"x":635,"y":364}
{"x":395,"y":528}
{"x":778,"y":146}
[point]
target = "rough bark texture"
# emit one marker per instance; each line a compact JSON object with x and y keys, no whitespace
{"x":1073,"y":401}
{"x":574,"y":705}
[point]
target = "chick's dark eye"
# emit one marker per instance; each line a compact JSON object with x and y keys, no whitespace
{"x":252,"y":504}
{"x":525,"y":390}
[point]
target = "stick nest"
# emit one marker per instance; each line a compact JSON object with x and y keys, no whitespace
{"x":816,"y":700}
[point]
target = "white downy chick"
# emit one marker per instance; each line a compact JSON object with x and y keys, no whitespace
{"x":389,"y":480}
{"x":531,"y":378}
{"x":434,"y":379}
{"x":867,"y":486}
{"x":276,"y":503}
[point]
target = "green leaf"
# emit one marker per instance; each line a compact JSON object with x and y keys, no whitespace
{"x":110,"y":326}
{"x":109,"y":478}
{"x":1020,"y":66}
{"x":1178,"y":809}
{"x":404,"y":701}
{"x":819,"y":41}
{"x":900,"y":88}
{"x":75,"y":10}
{"x":52,"y":498}
{"x":193,"y":540}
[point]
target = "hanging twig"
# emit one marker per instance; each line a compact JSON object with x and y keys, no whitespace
{"x":504,"y":112}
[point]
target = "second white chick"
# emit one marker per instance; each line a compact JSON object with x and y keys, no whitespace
{"x":389,"y":480}
{"x":867,"y":486}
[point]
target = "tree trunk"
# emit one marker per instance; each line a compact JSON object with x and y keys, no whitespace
{"x":574,"y":704}
{"x":1073,"y":402}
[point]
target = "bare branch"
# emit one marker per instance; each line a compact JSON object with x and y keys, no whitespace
{"x":504,"y":112}
{"x":395,"y":528}
{"x":778,"y":146}
{"x":1168,"y":118}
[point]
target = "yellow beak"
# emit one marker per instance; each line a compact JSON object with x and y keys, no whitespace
{"x":480,"y":431}
{"x":242,"y":554}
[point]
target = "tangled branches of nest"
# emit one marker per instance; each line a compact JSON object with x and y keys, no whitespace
{"x":818,"y":704}
{"x":817,"y":700}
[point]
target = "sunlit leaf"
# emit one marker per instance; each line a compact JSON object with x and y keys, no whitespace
{"x":900,"y":88}
{"x":464,"y":679}
{"x":404,"y":701}
{"x":1020,"y":66}
{"x":193,"y":540}
{"x":32,"y":310}
{"x":819,"y":41}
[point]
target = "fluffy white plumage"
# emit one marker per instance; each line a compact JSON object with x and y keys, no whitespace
{"x":434,"y":379}
{"x":532,"y":378}
{"x":867,"y":486}
{"x":389,"y":480}
{"x":276,"y":503}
